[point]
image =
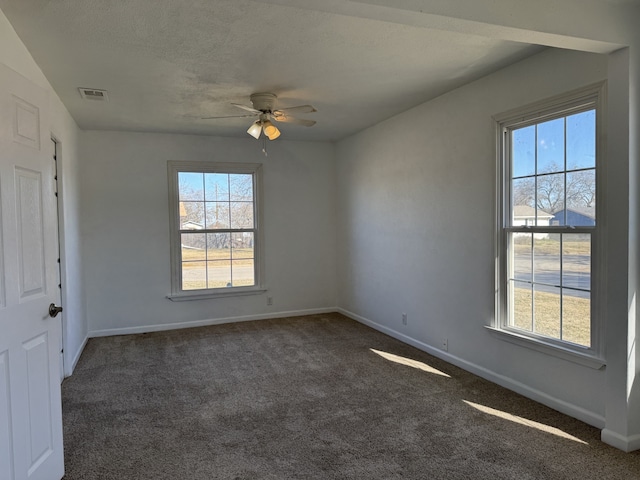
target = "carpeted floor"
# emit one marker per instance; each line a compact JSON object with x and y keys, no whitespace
{"x":318,"y":397}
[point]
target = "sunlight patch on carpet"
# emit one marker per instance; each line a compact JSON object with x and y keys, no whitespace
{"x":409,"y":362}
{"x":523,"y":421}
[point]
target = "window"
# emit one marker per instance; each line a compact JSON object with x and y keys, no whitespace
{"x":548,"y":226}
{"x":215,"y":229}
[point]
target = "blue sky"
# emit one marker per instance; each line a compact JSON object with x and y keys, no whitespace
{"x":215,"y":186}
{"x":548,"y":140}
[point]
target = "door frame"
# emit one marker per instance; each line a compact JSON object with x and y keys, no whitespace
{"x":58,"y":184}
{"x":67,"y":363}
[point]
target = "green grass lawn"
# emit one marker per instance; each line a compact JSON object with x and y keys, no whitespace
{"x":196,"y":258}
{"x":195,"y":263}
{"x":576,"y":324}
{"x":551,"y":247}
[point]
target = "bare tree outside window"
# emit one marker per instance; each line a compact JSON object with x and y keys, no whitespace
{"x":552,"y":192}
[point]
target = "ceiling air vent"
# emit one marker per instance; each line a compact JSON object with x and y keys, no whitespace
{"x":94,"y":94}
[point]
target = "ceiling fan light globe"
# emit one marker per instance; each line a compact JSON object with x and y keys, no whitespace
{"x":255,"y":129}
{"x":268,"y":127}
{"x":274,"y":133}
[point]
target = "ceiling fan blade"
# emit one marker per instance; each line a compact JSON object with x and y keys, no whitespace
{"x":298,"y":109}
{"x":229,"y":116}
{"x":248,"y":109}
{"x":296,"y":121}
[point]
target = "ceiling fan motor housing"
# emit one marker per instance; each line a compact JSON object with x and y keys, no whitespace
{"x":265,"y":102}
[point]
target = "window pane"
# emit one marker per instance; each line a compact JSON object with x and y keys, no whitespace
{"x":194,"y":246}
{"x":217,"y":215}
{"x":241,"y":187}
{"x":219,"y":274}
{"x":559,"y":218}
{"x":546,"y":258}
{"x":191,"y":215}
{"x":524,"y":151}
{"x":550,"y":196}
{"x":576,"y":261}
{"x":217,"y":187}
{"x":243,"y":273}
{"x":218,"y":246}
{"x":551,"y":146}
{"x":242,"y":245}
{"x":581,"y":140}
{"x":208,"y":201}
{"x":521,"y":308}
{"x":241,"y":214}
{"x":552,"y":187}
{"x":522,"y":256}
{"x":546,"y":311}
{"x":523,"y":200}
{"x":576,"y":317}
{"x":581,"y":198}
{"x":194,"y":275}
{"x":190,"y":186}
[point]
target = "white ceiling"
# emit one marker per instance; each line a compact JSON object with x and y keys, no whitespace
{"x":166,"y":63}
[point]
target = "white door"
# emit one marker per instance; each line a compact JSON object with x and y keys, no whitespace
{"x":30,"y":405}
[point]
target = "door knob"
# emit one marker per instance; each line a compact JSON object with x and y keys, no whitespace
{"x":54,"y":310}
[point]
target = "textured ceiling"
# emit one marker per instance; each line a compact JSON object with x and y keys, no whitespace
{"x":166,"y":63}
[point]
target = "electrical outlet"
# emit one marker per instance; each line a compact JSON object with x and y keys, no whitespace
{"x":445,"y":344}
{"x":404,"y":318}
{"x":269,"y":300}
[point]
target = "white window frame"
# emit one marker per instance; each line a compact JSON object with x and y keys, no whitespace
{"x":173,"y":169}
{"x":590,"y":97}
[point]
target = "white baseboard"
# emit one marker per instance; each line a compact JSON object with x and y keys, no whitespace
{"x":574,"y":411}
{"x":68,"y":369}
{"x":626,"y":444}
{"x":203,"y":323}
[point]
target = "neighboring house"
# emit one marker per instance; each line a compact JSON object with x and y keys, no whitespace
{"x":189,"y":225}
{"x":576,"y":216}
{"x":524,"y":215}
{"x":197,"y":242}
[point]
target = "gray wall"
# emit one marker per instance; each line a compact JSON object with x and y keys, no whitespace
{"x":417,"y":222}
{"x":125,"y":228}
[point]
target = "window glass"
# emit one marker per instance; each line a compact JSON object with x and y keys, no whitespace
{"x":217,"y":227}
{"x":550,"y":146}
{"x":190,"y":186}
{"x":524,"y":151}
{"x":548,"y":264}
{"x":581,"y":140}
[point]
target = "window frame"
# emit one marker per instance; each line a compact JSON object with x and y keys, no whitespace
{"x":173,"y":170}
{"x":583,"y":99}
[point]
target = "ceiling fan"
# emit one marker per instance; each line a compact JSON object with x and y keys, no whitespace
{"x":264,"y":109}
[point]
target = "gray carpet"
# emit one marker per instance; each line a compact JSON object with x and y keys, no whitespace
{"x":304,"y":398}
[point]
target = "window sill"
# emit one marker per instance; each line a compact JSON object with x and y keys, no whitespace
{"x":209,"y":294}
{"x":568,"y":354}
